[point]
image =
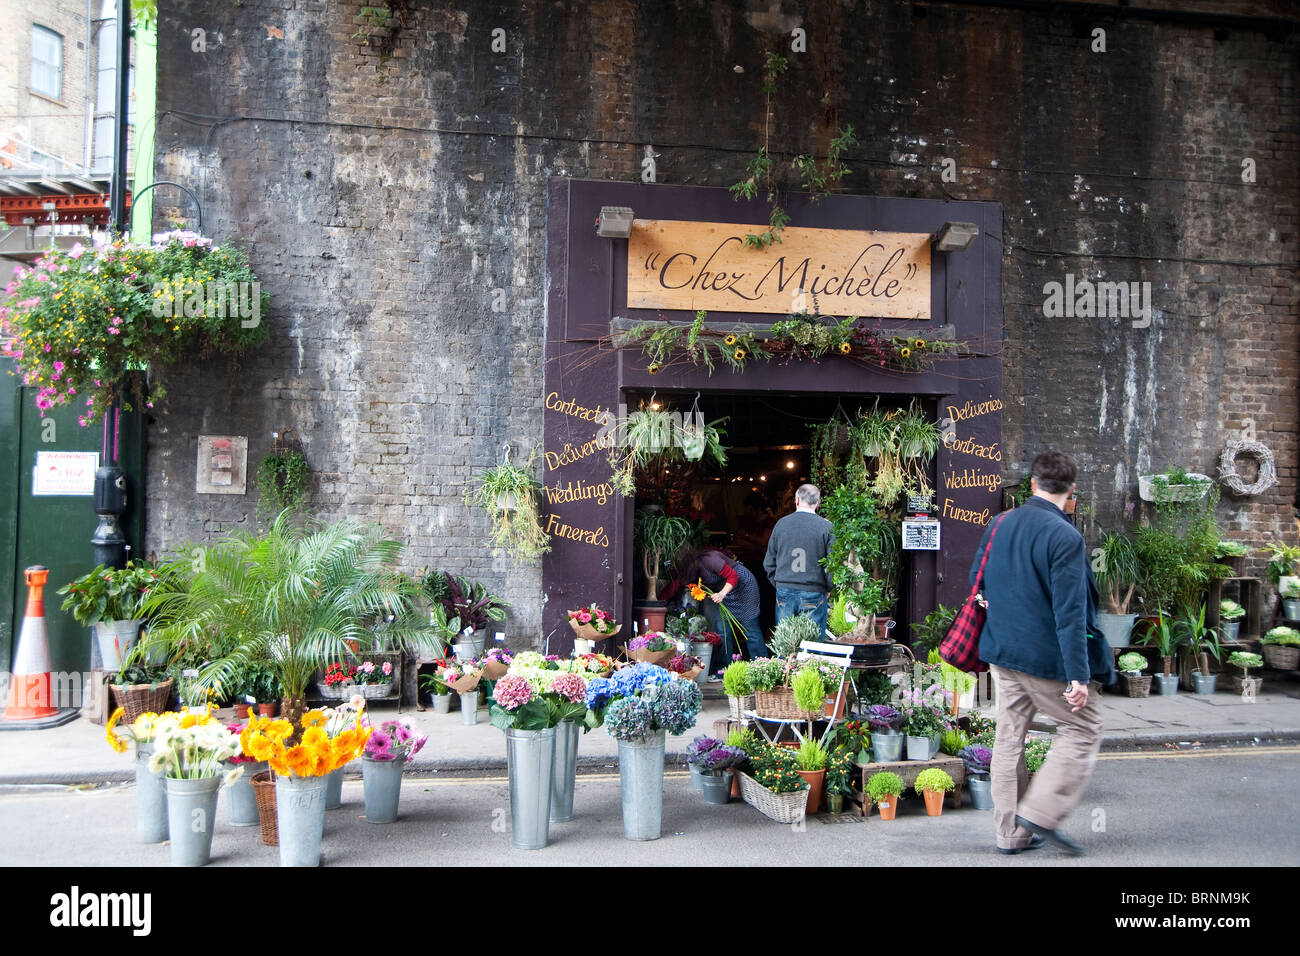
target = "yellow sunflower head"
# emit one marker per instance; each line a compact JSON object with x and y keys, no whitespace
{"x":739,"y":355}
{"x":730,"y":340}
{"x":654,"y":368}
{"x":904,"y":352}
{"x":845,"y":348}
{"x":919,"y":345}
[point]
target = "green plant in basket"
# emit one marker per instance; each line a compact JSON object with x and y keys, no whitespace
{"x":1132,"y":663}
{"x":736,"y":681}
{"x":511,"y":497}
{"x":884,"y":784}
{"x":1282,"y":636}
{"x":776,"y":768}
{"x":767,"y":673}
{"x":933,"y":779}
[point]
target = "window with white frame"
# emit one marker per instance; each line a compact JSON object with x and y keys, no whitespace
{"x":47,"y":62}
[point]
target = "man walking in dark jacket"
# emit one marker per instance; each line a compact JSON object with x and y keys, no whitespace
{"x":1039,"y":591}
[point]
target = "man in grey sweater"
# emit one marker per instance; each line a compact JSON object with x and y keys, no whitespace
{"x":793,"y":563}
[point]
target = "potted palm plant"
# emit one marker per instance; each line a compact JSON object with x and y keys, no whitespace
{"x":298,"y":596}
{"x":656,"y":536}
{"x":1117,"y":575}
{"x":1164,"y":636}
{"x":1202,"y":643}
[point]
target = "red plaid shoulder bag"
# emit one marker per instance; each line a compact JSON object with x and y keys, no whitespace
{"x":960,"y":647}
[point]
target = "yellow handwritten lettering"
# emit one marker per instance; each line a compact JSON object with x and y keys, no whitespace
{"x":558,"y":529}
{"x":571,"y":407}
{"x":961,"y":413}
{"x":967,"y":515}
{"x":578,"y":491}
{"x":970,"y":478}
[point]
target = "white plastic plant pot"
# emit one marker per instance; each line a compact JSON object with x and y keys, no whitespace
{"x":693,"y":444}
{"x":1148,"y":490}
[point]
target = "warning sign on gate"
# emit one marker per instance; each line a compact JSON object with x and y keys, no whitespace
{"x":65,"y":473}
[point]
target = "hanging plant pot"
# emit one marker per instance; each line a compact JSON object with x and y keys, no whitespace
{"x":507,"y":501}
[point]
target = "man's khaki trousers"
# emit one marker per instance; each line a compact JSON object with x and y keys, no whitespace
{"x":1059,"y":785}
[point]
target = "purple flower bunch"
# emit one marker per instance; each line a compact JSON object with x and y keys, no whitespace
{"x":394,"y":740}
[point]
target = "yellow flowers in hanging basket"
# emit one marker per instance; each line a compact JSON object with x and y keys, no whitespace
{"x":919,"y":345}
{"x":329,"y":739}
{"x":653,"y":369}
{"x":739,"y":355}
{"x":845,"y":348}
{"x":904,"y":352}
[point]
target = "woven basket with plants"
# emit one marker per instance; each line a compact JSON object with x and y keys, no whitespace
{"x":775,"y":790}
{"x":139,"y":688}
{"x":772,"y":694}
{"x":1131,"y":666}
{"x":1282,"y":648}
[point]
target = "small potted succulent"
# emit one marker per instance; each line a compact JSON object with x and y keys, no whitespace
{"x":886,"y":737}
{"x":978,"y":760}
{"x":1131,"y":666}
{"x":1245,"y":685}
{"x":932,"y":783}
{"x":885,"y":789}
{"x":1231,"y":614}
{"x":1282,"y":648}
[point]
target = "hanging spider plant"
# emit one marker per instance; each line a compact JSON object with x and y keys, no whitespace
{"x":656,"y":436}
{"x":918,"y":443}
{"x":512,"y":496}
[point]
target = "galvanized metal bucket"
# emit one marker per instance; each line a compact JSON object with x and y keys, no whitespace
{"x":383,"y":788}
{"x":530,"y":758}
{"x":641,"y":779}
{"x":334,"y":789}
{"x":241,"y":801}
{"x":469,"y":708}
{"x":565,"y":771}
{"x":150,"y":798}
{"x":191,"y":813}
{"x":300,"y":819}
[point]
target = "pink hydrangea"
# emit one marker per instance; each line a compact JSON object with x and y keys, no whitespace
{"x":512,"y":692}
{"x":571,"y":687}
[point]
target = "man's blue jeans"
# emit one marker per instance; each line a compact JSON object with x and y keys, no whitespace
{"x":813,"y":603}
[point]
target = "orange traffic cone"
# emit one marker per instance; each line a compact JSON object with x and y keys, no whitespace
{"x":29,"y":685}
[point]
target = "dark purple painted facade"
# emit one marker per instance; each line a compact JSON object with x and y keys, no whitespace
{"x":591,"y":556}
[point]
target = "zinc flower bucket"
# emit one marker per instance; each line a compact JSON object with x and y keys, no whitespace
{"x":241,"y":801}
{"x":469,"y":708}
{"x":300,"y":818}
{"x":716,"y":787}
{"x":191,"y":813}
{"x":641,"y":780}
{"x":334,"y":789}
{"x":115,"y":639}
{"x":565,"y":771}
{"x":530,"y":757}
{"x":150,"y":798}
{"x":383,"y":788}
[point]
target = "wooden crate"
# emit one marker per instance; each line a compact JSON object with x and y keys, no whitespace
{"x":909,"y":770}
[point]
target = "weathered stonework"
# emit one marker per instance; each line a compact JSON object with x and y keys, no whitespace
{"x":393,"y":197}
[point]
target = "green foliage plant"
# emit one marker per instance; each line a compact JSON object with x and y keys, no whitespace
{"x":953,"y":741}
{"x":1202,"y":641}
{"x":511,"y":496}
{"x":793,"y":631}
{"x":1245,"y":660}
{"x":1132,"y":663}
{"x":1165,"y":636}
{"x":736,"y":680}
{"x":657,"y":537}
{"x":809,"y":690}
{"x":1036,"y":751}
{"x":884,"y":784}
{"x":110,"y":594}
{"x":1231,"y":611}
{"x":927,"y":634}
{"x":1283,"y":636}
{"x":933,"y":779}
{"x":282,"y":481}
{"x":1118,"y":570}
{"x":812,"y":756}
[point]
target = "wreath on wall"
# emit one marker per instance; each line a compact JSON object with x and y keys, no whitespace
{"x":1231,"y":480}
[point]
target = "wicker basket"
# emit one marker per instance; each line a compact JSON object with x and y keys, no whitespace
{"x":374,"y":691}
{"x":779,"y":703}
{"x":1137,"y":686}
{"x":736,"y":706}
{"x":781,"y":807}
{"x":1280,"y":657}
{"x":264,"y":791}
{"x":137,"y":699}
{"x":335,"y":692}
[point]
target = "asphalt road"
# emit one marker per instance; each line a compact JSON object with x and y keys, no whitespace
{"x":1216,"y":807}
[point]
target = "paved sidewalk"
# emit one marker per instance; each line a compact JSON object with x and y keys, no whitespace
{"x":78,"y":752}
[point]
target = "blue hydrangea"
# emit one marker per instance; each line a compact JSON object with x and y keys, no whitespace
{"x":676,"y":706}
{"x":629,"y":718}
{"x":631,"y":680}
{"x":599,"y":691}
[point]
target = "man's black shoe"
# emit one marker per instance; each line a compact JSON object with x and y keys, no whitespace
{"x":1034,"y":843}
{"x":1052,"y":836}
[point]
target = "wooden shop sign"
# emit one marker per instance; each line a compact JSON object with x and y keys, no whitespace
{"x":673,"y":264}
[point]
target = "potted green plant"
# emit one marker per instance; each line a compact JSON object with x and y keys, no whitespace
{"x":264,"y":687}
{"x":1131,"y":666}
{"x":511,"y":496}
{"x":298,"y":596}
{"x":1165,"y":636}
{"x":1291,"y":599}
{"x":885,"y":788}
{"x":282,"y":480}
{"x":439,"y":693}
{"x":839,"y":765}
{"x":1202,"y":643}
{"x":739,"y":688}
{"x":1118,"y":570}
{"x":656,"y":536}
{"x":139,"y":687}
{"x":791,"y":632}
{"x":812,"y":758}
{"x":1245,"y":685}
{"x":927,"y":634}
{"x":1176,"y":485}
{"x":1282,"y":648}
{"x":932,"y":784}
{"x":1283,"y":563}
{"x":1232,"y":554}
{"x":809,"y":689}
{"x":460,"y":608}
{"x":1230,"y":616}
{"x":111,"y":600}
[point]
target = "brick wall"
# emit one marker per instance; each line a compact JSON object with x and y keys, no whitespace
{"x":388,"y":185}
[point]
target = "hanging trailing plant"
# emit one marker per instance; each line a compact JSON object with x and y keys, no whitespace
{"x":512,"y":496}
{"x":653,"y":437}
{"x":282,"y":480}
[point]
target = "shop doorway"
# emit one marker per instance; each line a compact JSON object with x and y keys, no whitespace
{"x":769,"y":454}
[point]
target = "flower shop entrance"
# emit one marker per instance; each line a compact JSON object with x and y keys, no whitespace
{"x":590,"y":380}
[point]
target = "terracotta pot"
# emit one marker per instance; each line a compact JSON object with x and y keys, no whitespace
{"x":888,"y":807}
{"x":652,"y":613}
{"x":830,"y":710}
{"x":735,"y":785}
{"x":241,"y":711}
{"x":933,"y":802}
{"x":815,"y":779}
{"x":268,"y":709}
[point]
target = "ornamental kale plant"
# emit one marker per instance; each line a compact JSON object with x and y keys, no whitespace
{"x":883,"y":717}
{"x":977,"y":759}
